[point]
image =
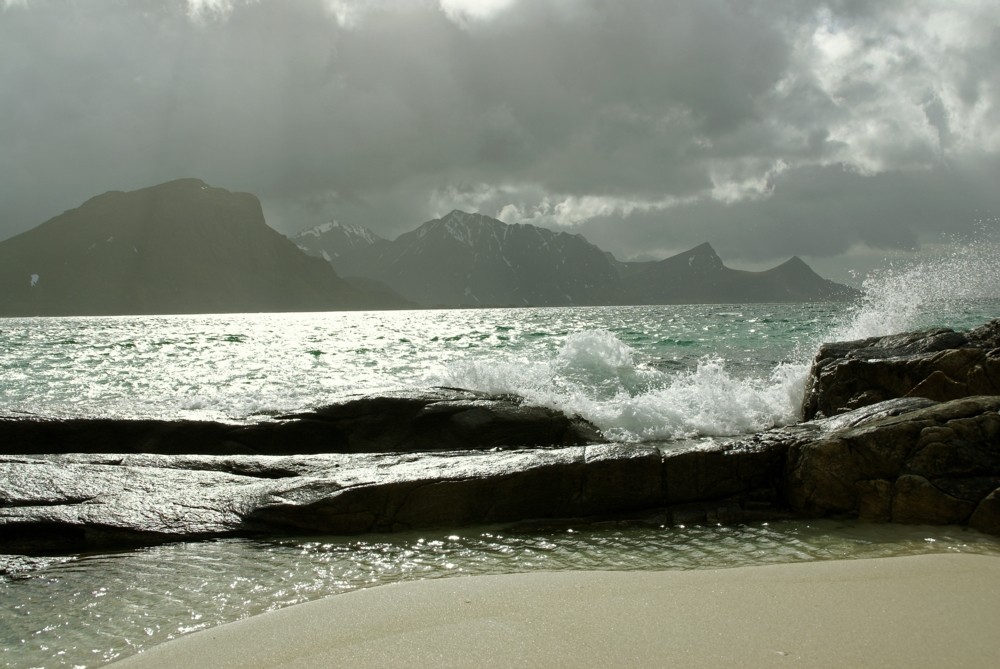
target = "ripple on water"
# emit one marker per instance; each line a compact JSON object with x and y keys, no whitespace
{"x":97,"y":608}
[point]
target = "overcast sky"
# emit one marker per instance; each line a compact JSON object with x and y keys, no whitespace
{"x":842,"y":131}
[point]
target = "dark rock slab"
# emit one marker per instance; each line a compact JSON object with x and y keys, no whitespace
{"x":940,"y":365}
{"x":905,"y":460}
{"x":937,"y":464}
{"x":76,"y":502}
{"x":439,"y":419}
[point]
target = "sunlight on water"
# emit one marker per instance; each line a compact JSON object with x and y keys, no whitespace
{"x":98,"y":608}
{"x":638,"y":373}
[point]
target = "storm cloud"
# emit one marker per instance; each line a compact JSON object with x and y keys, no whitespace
{"x":770,"y":129}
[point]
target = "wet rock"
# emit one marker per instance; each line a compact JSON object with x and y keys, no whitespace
{"x":445,"y":419}
{"x":904,"y":460}
{"x":439,"y":419}
{"x":986,"y":517}
{"x":453,"y":457}
{"x":937,"y":464}
{"x":76,"y":502}
{"x":730,"y":469}
{"x":940,"y":365}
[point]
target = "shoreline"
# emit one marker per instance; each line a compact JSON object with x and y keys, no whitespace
{"x":914,"y":611}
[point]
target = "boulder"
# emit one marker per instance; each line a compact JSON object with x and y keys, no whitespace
{"x":937,"y":464}
{"x":941,"y":365}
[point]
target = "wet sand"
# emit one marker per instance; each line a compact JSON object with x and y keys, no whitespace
{"x":920,"y":611}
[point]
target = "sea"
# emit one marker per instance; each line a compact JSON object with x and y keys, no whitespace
{"x":644,"y":374}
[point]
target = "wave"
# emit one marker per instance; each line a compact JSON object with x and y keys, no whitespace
{"x":597,"y":376}
{"x":631,"y":397}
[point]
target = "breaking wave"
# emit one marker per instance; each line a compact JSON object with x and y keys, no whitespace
{"x":625,"y":394}
{"x":599,"y":377}
{"x":953,"y":288}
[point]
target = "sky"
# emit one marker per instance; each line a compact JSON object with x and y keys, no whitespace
{"x":845,"y":132}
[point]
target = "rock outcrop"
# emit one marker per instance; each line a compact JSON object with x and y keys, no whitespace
{"x":939,"y":464}
{"x":71,"y":502}
{"x":939,"y":365}
{"x":906,"y":460}
{"x":435,"y":420}
{"x":452,"y":457}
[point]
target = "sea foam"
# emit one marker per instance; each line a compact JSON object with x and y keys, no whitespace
{"x":597,"y":376}
{"x":594,"y":374}
{"x":940,"y":289}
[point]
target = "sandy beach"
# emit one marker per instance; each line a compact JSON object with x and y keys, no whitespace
{"x":919,"y":611}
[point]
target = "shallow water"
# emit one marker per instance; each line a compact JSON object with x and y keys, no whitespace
{"x":94,"y":609}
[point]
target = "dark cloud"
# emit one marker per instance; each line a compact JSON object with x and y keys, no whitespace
{"x":768,"y":128}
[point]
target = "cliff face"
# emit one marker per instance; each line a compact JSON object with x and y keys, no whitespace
{"x":179,"y":247}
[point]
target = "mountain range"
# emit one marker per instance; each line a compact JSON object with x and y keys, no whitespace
{"x":186,"y":247}
{"x":472,"y":260}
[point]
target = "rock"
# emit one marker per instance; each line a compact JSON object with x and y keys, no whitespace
{"x":77,"y":502}
{"x":72,"y":502}
{"x":905,"y":460}
{"x":916,"y":500}
{"x":986,"y":517}
{"x":446,"y":419}
{"x":932,"y":465}
{"x":940,"y":365}
{"x":735,"y":468}
{"x":440,"y":419}
{"x":452,"y":457}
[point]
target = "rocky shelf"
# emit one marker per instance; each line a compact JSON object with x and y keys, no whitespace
{"x":923,"y":448}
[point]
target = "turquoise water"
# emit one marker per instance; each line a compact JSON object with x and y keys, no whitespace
{"x":639,"y":373}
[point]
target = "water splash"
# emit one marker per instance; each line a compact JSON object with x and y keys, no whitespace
{"x":599,"y":377}
{"x":942,"y":289}
{"x":708,"y":401}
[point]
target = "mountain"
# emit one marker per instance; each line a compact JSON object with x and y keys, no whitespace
{"x":349,"y":248}
{"x":473,"y":260}
{"x":179,"y":247}
{"x":699,"y":276}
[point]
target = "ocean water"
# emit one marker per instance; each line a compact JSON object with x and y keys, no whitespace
{"x":638,"y":373}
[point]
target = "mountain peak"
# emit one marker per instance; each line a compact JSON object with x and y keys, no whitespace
{"x":177,"y":247}
{"x":458,"y":215}
{"x":797,"y":265}
{"x":702,"y":257}
{"x":183,"y":182}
